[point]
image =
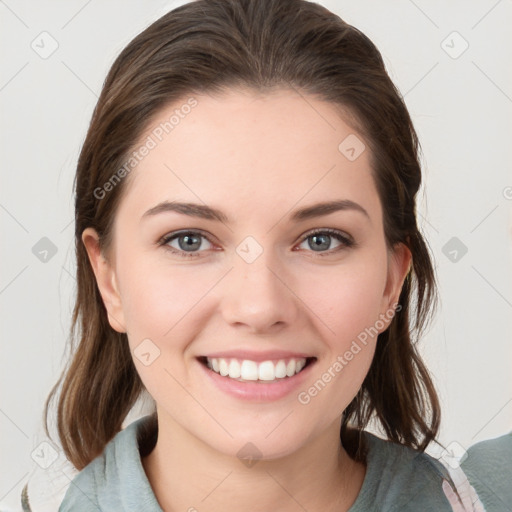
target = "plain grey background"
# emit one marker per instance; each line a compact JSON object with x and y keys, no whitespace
{"x":451,"y":61}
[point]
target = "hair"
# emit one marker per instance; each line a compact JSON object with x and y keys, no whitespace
{"x":207,"y":47}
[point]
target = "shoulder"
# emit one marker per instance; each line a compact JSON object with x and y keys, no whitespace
{"x":488,"y":467}
{"x":115,"y":480}
{"x":493,"y":452}
{"x":402,"y":479}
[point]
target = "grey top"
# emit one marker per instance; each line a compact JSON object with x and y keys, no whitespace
{"x":398,"y":479}
{"x":488,"y":466}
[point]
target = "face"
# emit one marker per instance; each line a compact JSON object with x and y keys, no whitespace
{"x":225,"y":261}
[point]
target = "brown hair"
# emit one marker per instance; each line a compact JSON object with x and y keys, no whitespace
{"x":208,"y":46}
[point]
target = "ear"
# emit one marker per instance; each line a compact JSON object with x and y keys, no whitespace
{"x":106,"y":279}
{"x":399,"y":264}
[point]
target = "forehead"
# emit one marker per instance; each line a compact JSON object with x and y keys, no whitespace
{"x":242,"y":150}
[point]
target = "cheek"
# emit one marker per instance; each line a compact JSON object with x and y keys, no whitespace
{"x":347,"y":299}
{"x":156,"y":299}
{"x":349,"y":303}
{"x":348,"y":306}
{"x":161,"y":305}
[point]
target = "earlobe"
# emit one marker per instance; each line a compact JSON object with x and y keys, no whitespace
{"x":106,"y":279}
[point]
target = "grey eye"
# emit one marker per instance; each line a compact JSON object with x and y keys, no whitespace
{"x":319,"y":242}
{"x":189,"y":242}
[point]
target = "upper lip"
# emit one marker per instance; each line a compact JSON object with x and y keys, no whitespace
{"x":269,"y":355}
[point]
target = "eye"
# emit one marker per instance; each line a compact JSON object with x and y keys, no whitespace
{"x":187,"y":243}
{"x":191,"y":243}
{"x":320,"y":241}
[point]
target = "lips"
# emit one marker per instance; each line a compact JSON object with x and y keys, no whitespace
{"x":258,"y":377}
{"x":257,"y":367}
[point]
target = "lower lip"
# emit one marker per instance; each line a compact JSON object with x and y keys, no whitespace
{"x":258,"y":391}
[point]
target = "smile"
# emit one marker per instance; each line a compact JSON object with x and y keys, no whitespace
{"x":248,"y":370}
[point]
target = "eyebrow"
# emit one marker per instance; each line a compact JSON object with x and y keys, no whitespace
{"x":209,"y":213}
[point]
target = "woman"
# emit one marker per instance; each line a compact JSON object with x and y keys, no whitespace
{"x":248,"y":253}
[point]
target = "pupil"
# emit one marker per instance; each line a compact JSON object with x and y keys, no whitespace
{"x":320,"y":242}
{"x":189,"y":242}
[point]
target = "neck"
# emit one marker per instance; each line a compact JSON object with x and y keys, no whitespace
{"x":187,"y":474}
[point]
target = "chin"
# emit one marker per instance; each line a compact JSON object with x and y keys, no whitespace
{"x":253,"y":442}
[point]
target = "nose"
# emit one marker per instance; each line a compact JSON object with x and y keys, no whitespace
{"x":258,"y":296}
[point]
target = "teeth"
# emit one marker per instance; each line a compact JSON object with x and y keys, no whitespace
{"x":267,"y":371}
{"x":234,"y":369}
{"x":223,"y":367}
{"x":280,"y":370}
{"x":251,"y":370}
{"x":291,"y":367}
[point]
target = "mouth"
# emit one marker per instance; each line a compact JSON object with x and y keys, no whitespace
{"x":247,"y":370}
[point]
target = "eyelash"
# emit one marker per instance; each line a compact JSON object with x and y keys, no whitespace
{"x":338,"y":235}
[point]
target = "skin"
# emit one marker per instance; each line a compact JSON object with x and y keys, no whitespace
{"x":258,"y":158}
